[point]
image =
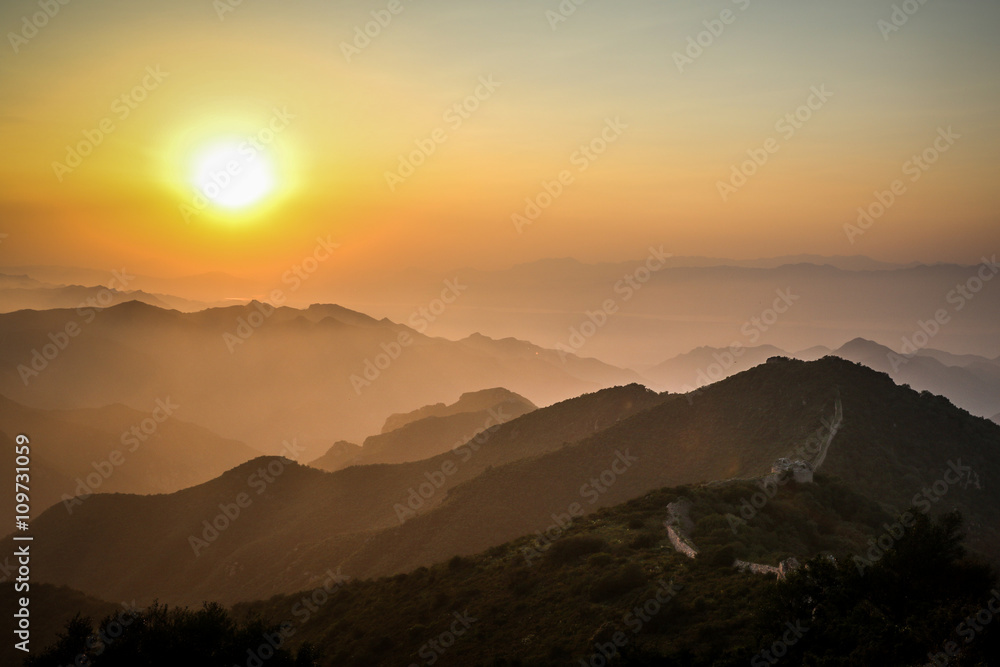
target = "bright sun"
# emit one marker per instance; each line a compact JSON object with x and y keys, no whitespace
{"x":234,"y":175}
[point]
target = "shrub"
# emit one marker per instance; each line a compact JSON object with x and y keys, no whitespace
{"x":619,"y":583}
{"x":570,"y":549}
{"x":644,"y":541}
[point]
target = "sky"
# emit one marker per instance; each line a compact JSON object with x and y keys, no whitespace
{"x":746,"y":128}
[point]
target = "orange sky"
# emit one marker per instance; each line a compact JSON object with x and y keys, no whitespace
{"x":192,"y":79}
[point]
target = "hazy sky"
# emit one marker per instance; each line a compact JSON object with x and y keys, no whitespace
{"x":330,"y":124}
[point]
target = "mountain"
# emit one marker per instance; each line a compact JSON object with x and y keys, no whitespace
{"x":430,"y":430}
{"x":975,"y":387}
{"x":209,"y":288}
{"x":304,"y":518}
{"x":25,"y":293}
{"x":113,"y":449}
{"x":473,"y":401}
{"x":971,"y":381}
{"x":705,"y":365}
{"x":892,"y":443}
{"x":682,"y":303}
{"x":340,"y":455}
{"x":885,"y":441}
{"x":265,"y":375}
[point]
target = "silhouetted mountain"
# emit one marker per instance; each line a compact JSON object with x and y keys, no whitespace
{"x":972,"y":382}
{"x":473,"y":401}
{"x":974,"y":387}
{"x":442,"y":428}
{"x":113,"y":449}
{"x":265,"y":375}
{"x":340,"y":455}
{"x":705,"y":365}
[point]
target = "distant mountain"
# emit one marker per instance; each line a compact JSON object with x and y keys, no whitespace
{"x":890,"y":444}
{"x":305,"y":518}
{"x":24,"y":293}
{"x":812,"y":353}
{"x":705,"y":365}
{"x":263,"y":375}
{"x":440,"y":429}
{"x":472,"y":401}
{"x":687,"y":302}
{"x":340,"y":455}
{"x":209,"y":288}
{"x":76,"y":296}
{"x":113,"y":449}
{"x":18,"y":282}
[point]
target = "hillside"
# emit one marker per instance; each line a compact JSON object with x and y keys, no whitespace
{"x":612,"y":587}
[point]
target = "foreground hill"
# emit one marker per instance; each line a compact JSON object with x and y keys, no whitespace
{"x":610,"y":589}
{"x":113,"y":449}
{"x":262,"y":375}
{"x":429,"y":431}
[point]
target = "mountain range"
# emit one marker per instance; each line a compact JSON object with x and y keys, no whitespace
{"x":543,"y":469}
{"x":266,"y":375}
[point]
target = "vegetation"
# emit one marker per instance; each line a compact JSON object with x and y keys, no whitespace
{"x":613,"y":575}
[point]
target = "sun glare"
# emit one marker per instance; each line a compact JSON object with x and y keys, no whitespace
{"x":234,"y":175}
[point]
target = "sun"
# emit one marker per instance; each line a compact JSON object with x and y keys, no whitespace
{"x":234,"y":175}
